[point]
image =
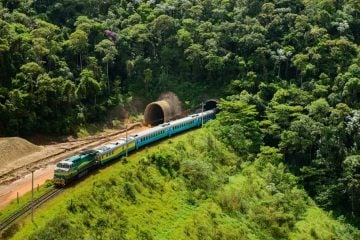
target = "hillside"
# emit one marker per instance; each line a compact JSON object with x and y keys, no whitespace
{"x":288,"y":73}
{"x":190,"y":187}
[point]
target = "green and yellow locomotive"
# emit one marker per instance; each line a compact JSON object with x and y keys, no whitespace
{"x":75,"y":166}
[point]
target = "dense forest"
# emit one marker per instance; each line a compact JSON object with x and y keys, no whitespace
{"x":290,"y":70}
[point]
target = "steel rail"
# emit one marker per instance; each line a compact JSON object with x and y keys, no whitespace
{"x":28,"y":207}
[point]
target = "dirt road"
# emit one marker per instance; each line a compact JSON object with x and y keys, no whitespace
{"x":19,"y":179}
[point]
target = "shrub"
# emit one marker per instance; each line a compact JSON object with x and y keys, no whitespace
{"x":59,"y":228}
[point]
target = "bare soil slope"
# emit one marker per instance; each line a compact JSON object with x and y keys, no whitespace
{"x":14,"y":148}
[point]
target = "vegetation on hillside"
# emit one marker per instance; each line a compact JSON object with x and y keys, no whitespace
{"x":64,"y":63}
{"x":290,"y":69}
{"x":191,"y":187}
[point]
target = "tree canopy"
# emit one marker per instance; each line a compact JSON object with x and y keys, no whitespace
{"x":290,"y":70}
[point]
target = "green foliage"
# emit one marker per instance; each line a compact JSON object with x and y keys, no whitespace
{"x":59,"y":228}
{"x":351,"y":176}
{"x":147,"y":48}
{"x":266,"y":195}
{"x":292,"y":68}
{"x":238,"y":125}
{"x":139,"y":199}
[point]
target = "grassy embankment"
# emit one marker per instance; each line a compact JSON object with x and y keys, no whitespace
{"x":189,"y":187}
{"x":14,"y":206}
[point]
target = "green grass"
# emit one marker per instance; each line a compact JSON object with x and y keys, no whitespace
{"x":189,"y":187}
{"x":14,"y":206}
{"x":317,"y":224}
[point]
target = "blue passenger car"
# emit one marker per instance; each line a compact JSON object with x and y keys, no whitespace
{"x":152,"y":135}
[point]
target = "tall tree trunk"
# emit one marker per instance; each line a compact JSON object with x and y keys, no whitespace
{"x":80,"y":62}
{"x":107,"y":74}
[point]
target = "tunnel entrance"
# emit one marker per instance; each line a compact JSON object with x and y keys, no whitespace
{"x":157,"y":113}
{"x":210,"y":104}
{"x":169,"y":108}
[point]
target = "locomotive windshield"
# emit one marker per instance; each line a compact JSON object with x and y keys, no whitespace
{"x":63,"y":165}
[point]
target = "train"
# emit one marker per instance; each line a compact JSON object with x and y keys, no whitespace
{"x":80,"y":164}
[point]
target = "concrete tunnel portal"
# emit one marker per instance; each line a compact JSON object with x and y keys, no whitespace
{"x":157,"y":113}
{"x":164,"y":111}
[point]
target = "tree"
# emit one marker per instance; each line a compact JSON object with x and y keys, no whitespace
{"x":31,"y":71}
{"x":184,"y":38}
{"x":163,"y":27}
{"x":319,"y":110}
{"x":78,"y":44}
{"x":108,"y":50}
{"x":298,"y":143}
{"x":351,"y":178}
{"x":238,"y":125}
{"x":88,"y":87}
{"x":69,"y":91}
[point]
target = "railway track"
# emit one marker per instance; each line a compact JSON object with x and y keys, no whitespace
{"x":27,"y":208}
{"x":65,"y":152}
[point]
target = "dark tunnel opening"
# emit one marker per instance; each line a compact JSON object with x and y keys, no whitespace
{"x":210,"y":104}
{"x":154,"y":115}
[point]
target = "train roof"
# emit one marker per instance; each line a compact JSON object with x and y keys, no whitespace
{"x":150,"y":131}
{"x":110,"y":146}
{"x":169,"y":124}
{"x":190,"y":117}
